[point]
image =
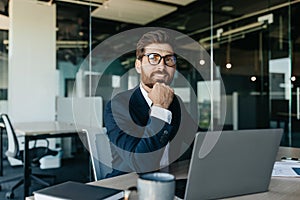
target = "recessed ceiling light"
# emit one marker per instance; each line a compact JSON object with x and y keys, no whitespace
{"x":228,"y":65}
{"x":253,"y":78}
{"x":181,"y":27}
{"x":202,"y":62}
{"x":293,"y":78}
{"x":227,"y":8}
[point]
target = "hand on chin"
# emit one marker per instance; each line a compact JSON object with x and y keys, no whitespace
{"x":148,"y":86}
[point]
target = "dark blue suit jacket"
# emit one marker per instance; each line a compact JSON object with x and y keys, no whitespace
{"x":138,"y":139}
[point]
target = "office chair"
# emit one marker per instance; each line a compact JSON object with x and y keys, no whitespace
{"x":100,"y":153}
{"x":35,"y":154}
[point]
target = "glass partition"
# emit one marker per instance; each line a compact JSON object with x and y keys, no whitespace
{"x":246,"y":42}
{"x":250,"y":47}
{"x":261,"y":82}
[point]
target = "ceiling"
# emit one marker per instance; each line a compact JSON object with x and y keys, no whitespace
{"x":109,"y":17}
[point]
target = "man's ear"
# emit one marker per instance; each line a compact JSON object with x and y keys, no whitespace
{"x":138,"y":65}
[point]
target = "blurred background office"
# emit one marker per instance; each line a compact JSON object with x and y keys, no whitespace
{"x":254,"y":45}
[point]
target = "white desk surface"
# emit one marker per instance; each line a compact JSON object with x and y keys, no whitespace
{"x":49,"y":127}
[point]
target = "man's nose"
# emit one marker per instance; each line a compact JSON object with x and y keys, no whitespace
{"x":161,"y":65}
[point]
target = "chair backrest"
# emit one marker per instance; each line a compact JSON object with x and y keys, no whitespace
{"x":13,"y":145}
{"x":100,"y":152}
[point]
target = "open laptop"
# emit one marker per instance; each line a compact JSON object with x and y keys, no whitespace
{"x":240,"y":162}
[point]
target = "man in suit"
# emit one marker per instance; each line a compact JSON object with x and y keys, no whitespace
{"x":148,"y":126}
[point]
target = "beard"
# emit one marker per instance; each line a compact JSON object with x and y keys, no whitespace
{"x":150,"y":85}
{"x":152,"y":80}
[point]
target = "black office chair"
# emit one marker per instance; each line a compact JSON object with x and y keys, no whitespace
{"x":35,"y":154}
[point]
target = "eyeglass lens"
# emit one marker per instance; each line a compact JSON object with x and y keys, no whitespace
{"x":154,"y":59}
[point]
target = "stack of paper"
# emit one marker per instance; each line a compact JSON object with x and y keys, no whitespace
{"x":286,"y":169}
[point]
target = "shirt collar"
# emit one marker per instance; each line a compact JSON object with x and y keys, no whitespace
{"x":145,"y":94}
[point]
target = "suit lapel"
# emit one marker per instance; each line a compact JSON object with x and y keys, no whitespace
{"x":138,"y":108}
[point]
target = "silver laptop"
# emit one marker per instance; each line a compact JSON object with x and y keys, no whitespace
{"x":231,"y":163}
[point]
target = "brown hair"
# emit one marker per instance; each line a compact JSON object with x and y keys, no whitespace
{"x":158,"y":36}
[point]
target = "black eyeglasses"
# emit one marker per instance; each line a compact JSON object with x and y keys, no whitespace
{"x":155,"y":58}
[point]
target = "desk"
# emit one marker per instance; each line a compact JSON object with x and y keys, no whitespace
{"x":288,"y":152}
{"x":280,"y":188}
{"x":41,"y":130}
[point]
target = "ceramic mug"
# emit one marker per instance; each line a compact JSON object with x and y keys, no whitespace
{"x":157,"y":185}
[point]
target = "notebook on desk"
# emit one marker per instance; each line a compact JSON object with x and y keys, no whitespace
{"x":240,"y":162}
{"x":71,"y":190}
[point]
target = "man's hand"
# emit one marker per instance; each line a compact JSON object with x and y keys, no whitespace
{"x":161,"y":95}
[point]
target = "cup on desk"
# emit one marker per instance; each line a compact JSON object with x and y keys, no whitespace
{"x":157,"y":186}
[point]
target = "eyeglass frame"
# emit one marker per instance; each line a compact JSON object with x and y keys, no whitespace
{"x":161,"y":57}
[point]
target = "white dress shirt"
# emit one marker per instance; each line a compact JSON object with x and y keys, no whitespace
{"x":164,"y":115}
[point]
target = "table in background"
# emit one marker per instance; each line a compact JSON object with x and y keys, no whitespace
{"x":41,"y":130}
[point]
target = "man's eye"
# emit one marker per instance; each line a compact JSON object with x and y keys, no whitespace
{"x":154,"y":57}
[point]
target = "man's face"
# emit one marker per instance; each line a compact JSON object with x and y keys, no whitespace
{"x":150,"y":74}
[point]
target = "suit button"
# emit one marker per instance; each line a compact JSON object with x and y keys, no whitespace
{"x":164,"y":136}
{"x":161,"y":140}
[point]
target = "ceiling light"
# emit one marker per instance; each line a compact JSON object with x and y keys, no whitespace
{"x":227,"y":8}
{"x":181,"y":27}
{"x":253,"y":78}
{"x":293,"y":78}
{"x":202,"y":62}
{"x":178,"y":2}
{"x":95,"y":3}
{"x":133,"y":11}
{"x":80,"y":33}
{"x":228,"y":65}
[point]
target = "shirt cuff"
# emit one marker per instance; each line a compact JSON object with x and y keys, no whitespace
{"x":161,"y":113}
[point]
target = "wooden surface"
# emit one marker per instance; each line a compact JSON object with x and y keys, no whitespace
{"x":288,"y":152}
{"x":281,"y":188}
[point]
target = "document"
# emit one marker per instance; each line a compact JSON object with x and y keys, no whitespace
{"x":286,"y":169}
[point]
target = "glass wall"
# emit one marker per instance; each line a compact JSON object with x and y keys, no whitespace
{"x":254,"y":47}
{"x":262,"y":78}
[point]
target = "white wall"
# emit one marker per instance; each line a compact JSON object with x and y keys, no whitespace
{"x":32,"y":82}
{"x":3,"y":72}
